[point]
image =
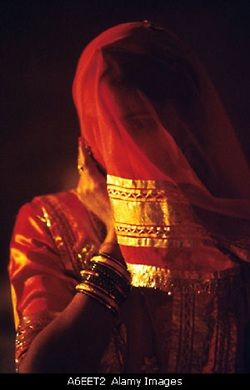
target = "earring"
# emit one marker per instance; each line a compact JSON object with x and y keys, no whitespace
{"x":80,"y":158}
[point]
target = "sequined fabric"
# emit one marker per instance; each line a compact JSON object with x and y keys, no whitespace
{"x":197,"y":321}
{"x":27,"y":329}
{"x":170,"y":281}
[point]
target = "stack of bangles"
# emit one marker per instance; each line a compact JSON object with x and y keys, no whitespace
{"x":106,"y":280}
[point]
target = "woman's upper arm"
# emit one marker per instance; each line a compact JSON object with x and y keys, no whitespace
{"x":39,"y":285}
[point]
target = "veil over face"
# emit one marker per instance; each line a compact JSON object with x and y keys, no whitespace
{"x":152,"y":117}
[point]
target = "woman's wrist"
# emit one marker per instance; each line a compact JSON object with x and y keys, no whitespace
{"x":112,"y":249}
{"x":106,"y":280}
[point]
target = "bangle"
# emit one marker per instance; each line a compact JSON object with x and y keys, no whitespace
{"x":98,"y":296}
{"x":115,"y":261}
{"x":106,"y":286}
{"x":109,"y":274}
{"x":113,"y":264}
{"x":106,"y":280}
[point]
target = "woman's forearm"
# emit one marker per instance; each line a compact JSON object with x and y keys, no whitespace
{"x":73,"y":342}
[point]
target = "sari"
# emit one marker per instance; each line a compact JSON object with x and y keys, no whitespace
{"x":154,"y":121}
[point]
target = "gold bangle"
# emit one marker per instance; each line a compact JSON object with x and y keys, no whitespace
{"x":99,"y":289}
{"x":115,"y":310}
{"x":118,"y":268}
{"x":84,"y":272}
{"x":84,"y":287}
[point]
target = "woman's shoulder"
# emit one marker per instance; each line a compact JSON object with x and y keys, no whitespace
{"x":57,"y":203}
{"x":64,"y":216}
{"x":62,"y":211}
{"x":60,"y":199}
{"x":61,"y":208}
{"x":61,"y":219}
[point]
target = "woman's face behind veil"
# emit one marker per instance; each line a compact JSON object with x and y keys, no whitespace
{"x":148,"y":109}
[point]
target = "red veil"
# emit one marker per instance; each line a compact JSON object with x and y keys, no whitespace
{"x":152,"y":117}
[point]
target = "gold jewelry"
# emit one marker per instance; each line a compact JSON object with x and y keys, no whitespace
{"x":80,"y":159}
{"x":99,"y":296}
{"x":118,"y":268}
{"x":106,"y":280}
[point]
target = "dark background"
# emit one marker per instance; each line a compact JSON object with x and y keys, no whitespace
{"x":41,"y":42}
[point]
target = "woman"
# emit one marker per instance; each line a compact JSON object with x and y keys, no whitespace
{"x":156,"y":139}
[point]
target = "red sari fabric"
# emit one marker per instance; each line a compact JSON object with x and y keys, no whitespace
{"x":183,"y":330}
{"x":148,"y":111}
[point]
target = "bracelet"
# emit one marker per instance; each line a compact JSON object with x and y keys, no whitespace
{"x":114,"y":264}
{"x":106,"y":285}
{"x":106,"y":280}
{"x":108,"y":273}
{"x":98,"y":296}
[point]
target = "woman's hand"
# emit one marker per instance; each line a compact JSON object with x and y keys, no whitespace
{"x":92,"y":190}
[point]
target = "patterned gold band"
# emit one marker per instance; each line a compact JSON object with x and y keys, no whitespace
{"x":169,"y":281}
{"x":150,"y":213}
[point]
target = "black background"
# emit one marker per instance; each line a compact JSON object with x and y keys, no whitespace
{"x":41,"y":42}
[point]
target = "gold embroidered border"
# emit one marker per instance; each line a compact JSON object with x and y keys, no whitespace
{"x":140,"y":210}
{"x":142,"y":190}
{"x":169,"y":281}
{"x":159,"y":242}
{"x":148,"y":213}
